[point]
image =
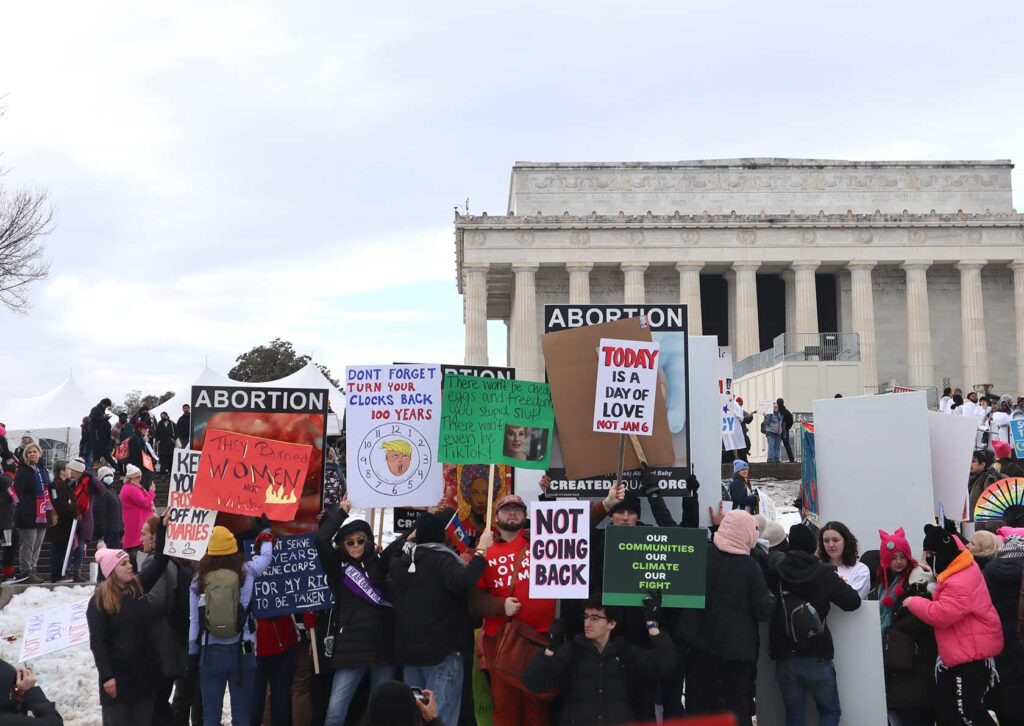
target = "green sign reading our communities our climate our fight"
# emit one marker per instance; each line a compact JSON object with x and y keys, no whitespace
{"x":495,"y":421}
{"x":640,"y":561}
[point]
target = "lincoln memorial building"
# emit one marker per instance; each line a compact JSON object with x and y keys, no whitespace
{"x":924,"y":260}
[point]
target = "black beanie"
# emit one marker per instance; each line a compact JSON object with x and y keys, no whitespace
{"x":630,"y":503}
{"x":392,"y":704}
{"x":941,"y":542}
{"x":430,"y":528}
{"x":1014,"y":516}
{"x":801,"y":539}
{"x":8,"y":677}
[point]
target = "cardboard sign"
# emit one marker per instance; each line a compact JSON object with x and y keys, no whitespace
{"x":571,"y":360}
{"x":189,"y":529}
{"x":393,"y":416}
{"x":492,"y":421}
{"x":627,"y":376}
{"x":560,"y":550}
{"x":247,"y":475}
{"x":1017,"y":436}
{"x":952,"y":443}
{"x":404,"y":519}
{"x":55,"y":629}
{"x":294,"y":583}
{"x":466,"y":491}
{"x":641,"y":560}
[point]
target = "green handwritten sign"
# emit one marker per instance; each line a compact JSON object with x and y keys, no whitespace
{"x":493,"y":421}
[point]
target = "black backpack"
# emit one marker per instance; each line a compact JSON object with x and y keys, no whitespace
{"x":178,"y":615}
{"x":800,"y":620}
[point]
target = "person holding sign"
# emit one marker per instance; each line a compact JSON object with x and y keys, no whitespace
{"x":597,"y":672}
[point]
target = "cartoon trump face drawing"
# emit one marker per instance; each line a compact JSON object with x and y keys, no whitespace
{"x":398,"y":456}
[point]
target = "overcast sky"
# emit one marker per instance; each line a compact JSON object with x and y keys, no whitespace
{"x":228,"y":173}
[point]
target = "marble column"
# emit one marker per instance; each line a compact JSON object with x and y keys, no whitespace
{"x":579,"y":282}
{"x":863,"y":303}
{"x":689,"y":294}
{"x":789,"y":277}
{"x":748,"y":338}
{"x":1018,"y":305}
{"x":920,"y":368}
{"x":475,"y":301}
{"x":524,"y":338}
{"x":805,"y":300}
{"x":633,"y":274}
{"x":730,"y":301}
{"x":973,"y":349}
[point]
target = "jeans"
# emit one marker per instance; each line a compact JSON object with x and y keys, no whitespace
{"x":774,"y":447}
{"x":445,"y":680}
{"x":277,"y":672}
{"x":346,"y":681}
{"x":219,"y":667}
{"x":799,"y":676}
{"x":30,"y":547}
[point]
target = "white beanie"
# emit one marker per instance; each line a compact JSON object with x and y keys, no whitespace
{"x":76,"y":465}
{"x":131,"y":471}
{"x":104,"y":471}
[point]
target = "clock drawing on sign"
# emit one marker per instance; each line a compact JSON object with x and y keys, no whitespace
{"x":394,"y":459}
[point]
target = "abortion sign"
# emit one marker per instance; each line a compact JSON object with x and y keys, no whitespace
{"x":560,"y":550}
{"x":627,"y":375}
{"x":294,"y":583}
{"x":55,"y":629}
{"x":393,"y":418}
{"x":639,"y":561}
{"x":247,"y":475}
{"x":189,"y":529}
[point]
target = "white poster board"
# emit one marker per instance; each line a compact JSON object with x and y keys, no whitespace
{"x":765,"y":505}
{"x":55,"y":629}
{"x":560,"y":549}
{"x":873,"y":457}
{"x":627,"y":373}
{"x":189,"y":528}
{"x":393,"y":421}
{"x":732,"y":431}
{"x":952,"y":444}
{"x":858,"y":661}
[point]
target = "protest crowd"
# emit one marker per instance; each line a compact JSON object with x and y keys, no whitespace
{"x":440,"y":626}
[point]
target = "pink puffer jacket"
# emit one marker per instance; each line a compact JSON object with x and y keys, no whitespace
{"x":967,"y":627}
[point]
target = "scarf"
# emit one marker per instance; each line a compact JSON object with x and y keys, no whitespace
{"x":357,"y":581}
{"x":43,"y":502}
{"x":410,"y":549}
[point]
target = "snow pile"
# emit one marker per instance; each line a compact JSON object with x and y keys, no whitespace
{"x":67,"y":677}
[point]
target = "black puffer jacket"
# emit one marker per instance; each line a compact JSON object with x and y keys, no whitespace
{"x":363,"y":630}
{"x":1003,"y":577}
{"x":737,"y":600}
{"x":914,"y":688}
{"x":107,"y":517}
{"x":6,"y":503}
{"x":596,"y":685}
{"x":25,"y":487}
{"x":814,"y":582}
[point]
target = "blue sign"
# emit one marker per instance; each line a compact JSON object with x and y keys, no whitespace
{"x":294,"y":583}
{"x":1017,"y":436}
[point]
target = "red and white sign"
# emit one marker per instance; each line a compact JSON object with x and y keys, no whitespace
{"x":55,"y":629}
{"x":627,"y":372}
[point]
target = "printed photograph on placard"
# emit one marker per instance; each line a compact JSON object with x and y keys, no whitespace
{"x":525,"y":443}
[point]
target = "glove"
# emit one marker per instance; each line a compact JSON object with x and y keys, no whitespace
{"x":264,"y":536}
{"x":556,"y":633}
{"x":652,"y":607}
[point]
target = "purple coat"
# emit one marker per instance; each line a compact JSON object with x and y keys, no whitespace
{"x":96,"y":489}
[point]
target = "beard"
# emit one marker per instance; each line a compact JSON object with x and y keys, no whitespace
{"x":508,"y":527}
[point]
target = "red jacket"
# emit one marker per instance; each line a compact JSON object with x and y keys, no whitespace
{"x":503,"y":563}
{"x":967,"y":627}
{"x":276,"y":635}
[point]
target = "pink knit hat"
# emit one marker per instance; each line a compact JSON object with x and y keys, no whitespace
{"x":109,"y":558}
{"x":737,"y":534}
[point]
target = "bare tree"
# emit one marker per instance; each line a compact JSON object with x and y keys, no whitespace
{"x":24,"y":217}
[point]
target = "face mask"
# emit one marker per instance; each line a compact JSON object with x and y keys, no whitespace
{"x":108,"y":480}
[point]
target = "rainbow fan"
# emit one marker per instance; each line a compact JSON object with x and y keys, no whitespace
{"x":998,"y":498}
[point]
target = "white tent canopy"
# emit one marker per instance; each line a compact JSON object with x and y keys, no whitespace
{"x":53,"y":419}
{"x":172,"y":406}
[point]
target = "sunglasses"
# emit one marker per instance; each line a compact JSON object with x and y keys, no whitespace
{"x":354,"y":542}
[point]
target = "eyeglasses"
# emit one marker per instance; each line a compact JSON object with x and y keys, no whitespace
{"x":594,"y":618}
{"x":354,"y":542}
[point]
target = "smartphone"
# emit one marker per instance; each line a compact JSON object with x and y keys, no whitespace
{"x":418,"y":692}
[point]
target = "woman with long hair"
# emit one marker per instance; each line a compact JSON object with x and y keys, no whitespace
{"x":838,"y":547}
{"x":32,"y":485}
{"x":121,"y":637}
{"x":222,"y":647}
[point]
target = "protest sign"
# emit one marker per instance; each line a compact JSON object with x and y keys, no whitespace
{"x":55,"y":629}
{"x":292,"y":415}
{"x":808,"y":474}
{"x":952,"y":443}
{"x":570,"y":355}
{"x":765,"y":505}
{"x":404,"y":519}
{"x":1017,"y":436}
{"x":732,"y":431}
{"x":294,"y":583}
{"x":393,"y":418}
{"x":247,"y":475}
{"x":560,"y":550}
{"x":639,"y":561}
{"x":466,"y":487}
{"x":189,"y":528}
{"x":627,"y":375}
{"x":491,"y":421}
{"x":501,"y":372}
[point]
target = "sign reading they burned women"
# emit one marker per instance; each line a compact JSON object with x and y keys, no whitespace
{"x":281,"y":418}
{"x":666,"y":325}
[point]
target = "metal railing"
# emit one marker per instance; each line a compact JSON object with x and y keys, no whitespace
{"x":802,"y":347}
{"x":931,"y":392}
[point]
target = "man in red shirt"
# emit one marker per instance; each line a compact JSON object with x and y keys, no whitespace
{"x":506,"y":580}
